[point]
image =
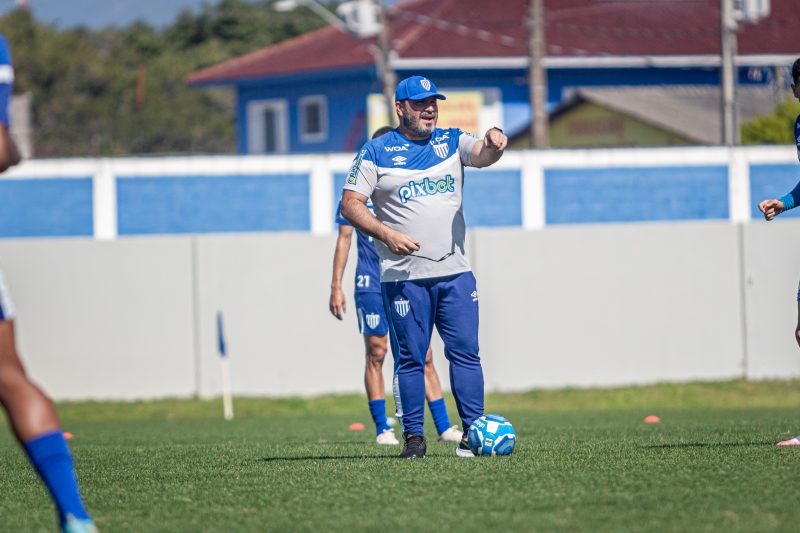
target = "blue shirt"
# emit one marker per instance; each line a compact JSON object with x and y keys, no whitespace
{"x":792,"y":199}
{"x":368,"y":271}
{"x":797,"y":135}
{"x":6,"y":81}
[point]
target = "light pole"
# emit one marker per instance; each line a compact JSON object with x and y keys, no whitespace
{"x":537,"y":76}
{"x":732,"y":12}
{"x":360,"y":23}
{"x":728,"y":46}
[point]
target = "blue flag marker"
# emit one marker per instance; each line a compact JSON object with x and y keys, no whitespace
{"x":220,"y":336}
{"x":225,"y":364}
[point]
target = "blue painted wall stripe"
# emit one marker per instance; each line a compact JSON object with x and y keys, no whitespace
{"x":636,"y":194}
{"x":211,"y":204}
{"x":51,"y":207}
{"x":772,"y":181}
{"x":492,"y":198}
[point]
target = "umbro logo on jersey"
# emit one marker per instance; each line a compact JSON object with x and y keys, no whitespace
{"x":373,"y":319}
{"x":399,"y":160}
{"x":474,"y":296}
{"x":403,"y":148}
{"x":402,"y":307}
{"x":441,"y":150}
{"x":426,"y":187}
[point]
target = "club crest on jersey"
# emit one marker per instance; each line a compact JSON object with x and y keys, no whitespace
{"x":426,"y":187}
{"x":441,"y":150}
{"x":399,"y":160}
{"x":474,"y":296}
{"x":402,"y":307}
{"x":426,"y":84}
{"x":373,"y":319}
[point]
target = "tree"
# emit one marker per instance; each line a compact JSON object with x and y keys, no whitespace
{"x":775,"y":128}
{"x":84,"y":82}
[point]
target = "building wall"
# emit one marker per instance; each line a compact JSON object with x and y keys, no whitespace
{"x":589,"y":125}
{"x":347,"y":92}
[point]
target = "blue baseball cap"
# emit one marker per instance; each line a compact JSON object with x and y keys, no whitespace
{"x":416,"y":88}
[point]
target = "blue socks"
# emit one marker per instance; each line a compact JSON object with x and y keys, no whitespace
{"x":439,"y":414}
{"x":51,"y":459}
{"x":377,"y":409}
{"x":441,"y":419}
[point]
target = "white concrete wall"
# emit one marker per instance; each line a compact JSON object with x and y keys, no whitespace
{"x":772,"y":270}
{"x":609,"y":305}
{"x":104,"y":319}
{"x":578,"y":306}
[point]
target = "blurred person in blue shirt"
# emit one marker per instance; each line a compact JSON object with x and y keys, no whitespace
{"x":775,"y":206}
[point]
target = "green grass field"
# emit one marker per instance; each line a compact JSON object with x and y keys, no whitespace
{"x":584,"y":461}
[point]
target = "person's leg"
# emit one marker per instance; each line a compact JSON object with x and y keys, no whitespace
{"x":373,"y":381}
{"x":372,"y":324}
{"x":436,"y":403}
{"x":409,"y":310}
{"x":457,"y":323}
{"x":433,"y":387}
{"x":35,"y":423}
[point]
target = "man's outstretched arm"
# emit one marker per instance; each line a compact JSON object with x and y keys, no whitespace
{"x":490,"y":150}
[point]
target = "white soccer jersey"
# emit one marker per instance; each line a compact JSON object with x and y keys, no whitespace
{"x":416,"y":187}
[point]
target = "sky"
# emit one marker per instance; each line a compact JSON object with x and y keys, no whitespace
{"x":101,"y":13}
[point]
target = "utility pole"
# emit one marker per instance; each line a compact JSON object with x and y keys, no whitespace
{"x":383,"y":58}
{"x":728,"y":27}
{"x":537,"y":75}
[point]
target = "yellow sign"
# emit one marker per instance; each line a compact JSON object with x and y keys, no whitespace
{"x":462,"y":109}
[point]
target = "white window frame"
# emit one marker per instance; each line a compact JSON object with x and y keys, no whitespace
{"x":302,"y":104}
{"x":256,"y":140}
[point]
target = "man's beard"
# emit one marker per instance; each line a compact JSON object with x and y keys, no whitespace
{"x":412,"y":125}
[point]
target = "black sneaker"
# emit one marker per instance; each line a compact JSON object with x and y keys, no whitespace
{"x":463,"y":448}
{"x":413,"y":447}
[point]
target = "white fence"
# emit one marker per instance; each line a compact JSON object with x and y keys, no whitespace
{"x":568,"y":306}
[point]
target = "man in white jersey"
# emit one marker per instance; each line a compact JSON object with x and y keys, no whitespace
{"x":414,"y":177}
{"x":372,"y":324}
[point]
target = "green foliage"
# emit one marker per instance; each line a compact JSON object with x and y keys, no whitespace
{"x":775,"y":128}
{"x":84,"y":83}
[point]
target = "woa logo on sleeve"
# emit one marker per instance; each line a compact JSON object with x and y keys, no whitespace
{"x":426,"y":187}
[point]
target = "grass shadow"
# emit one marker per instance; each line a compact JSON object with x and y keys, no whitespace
{"x":276,"y":458}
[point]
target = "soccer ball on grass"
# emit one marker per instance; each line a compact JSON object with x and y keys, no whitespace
{"x":491,"y":435}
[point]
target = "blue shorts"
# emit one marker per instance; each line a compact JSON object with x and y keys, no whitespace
{"x":371,"y":316}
